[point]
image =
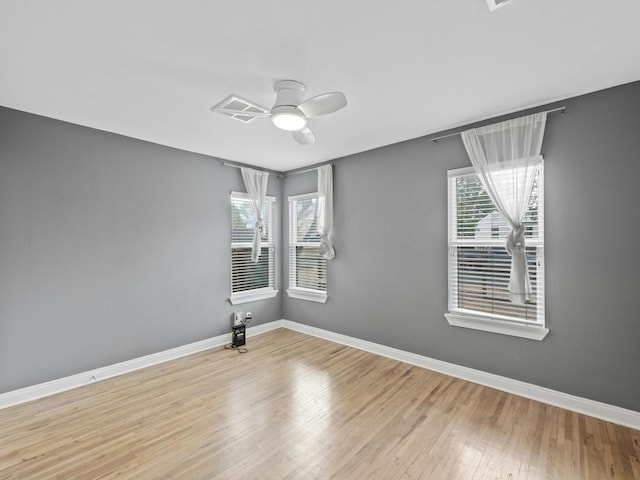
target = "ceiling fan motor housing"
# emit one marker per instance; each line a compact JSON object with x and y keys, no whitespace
{"x":289,"y":93}
{"x":286,"y":115}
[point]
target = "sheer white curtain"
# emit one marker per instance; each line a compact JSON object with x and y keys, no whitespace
{"x":325,"y":210}
{"x":255,"y":182}
{"x":505,"y":156}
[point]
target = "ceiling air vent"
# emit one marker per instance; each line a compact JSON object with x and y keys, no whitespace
{"x":234,"y":102}
{"x":495,"y":4}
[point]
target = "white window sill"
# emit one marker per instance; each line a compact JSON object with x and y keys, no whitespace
{"x":310,"y":295}
{"x":532,"y":332}
{"x":252,"y":296}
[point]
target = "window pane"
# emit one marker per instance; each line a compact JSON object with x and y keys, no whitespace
{"x":307,"y":220}
{"x":311,"y":268}
{"x":246,"y":275}
{"x":476,"y":216}
{"x":481,"y":282}
{"x":243,"y":220}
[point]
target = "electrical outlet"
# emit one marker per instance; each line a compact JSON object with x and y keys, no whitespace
{"x":247,"y":317}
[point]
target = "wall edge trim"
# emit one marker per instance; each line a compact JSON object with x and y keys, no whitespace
{"x":45,"y":389}
{"x":592,"y":408}
{"x":600,"y":410}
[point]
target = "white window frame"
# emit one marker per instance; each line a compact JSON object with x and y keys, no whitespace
{"x":262,"y":293}
{"x":477,"y":320}
{"x":295,"y":291}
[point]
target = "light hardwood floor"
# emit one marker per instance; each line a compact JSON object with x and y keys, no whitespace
{"x":298,"y":407}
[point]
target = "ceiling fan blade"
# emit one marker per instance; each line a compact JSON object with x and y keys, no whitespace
{"x":247,"y":113}
{"x":323,"y":104}
{"x":304,"y":136}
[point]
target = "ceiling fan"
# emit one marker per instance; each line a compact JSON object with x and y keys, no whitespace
{"x":289,"y":112}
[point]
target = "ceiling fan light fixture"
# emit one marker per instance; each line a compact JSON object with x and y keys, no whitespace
{"x":288,"y":118}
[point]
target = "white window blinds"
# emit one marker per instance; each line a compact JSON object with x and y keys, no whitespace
{"x":307,"y":267}
{"x":479,"y":264}
{"x":248,"y":277}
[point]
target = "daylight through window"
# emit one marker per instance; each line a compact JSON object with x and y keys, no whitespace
{"x":307,"y":268}
{"x":479,"y":264}
{"x":252,"y":281}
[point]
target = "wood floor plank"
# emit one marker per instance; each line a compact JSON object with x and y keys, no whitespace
{"x":298,"y":407}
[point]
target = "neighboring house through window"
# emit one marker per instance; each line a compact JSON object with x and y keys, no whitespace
{"x":307,"y":269}
{"x":479,"y":264}
{"x":252,"y":281}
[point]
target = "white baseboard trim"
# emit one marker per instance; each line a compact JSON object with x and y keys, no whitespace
{"x":603,"y":411}
{"x":592,"y":408}
{"x":52,"y":387}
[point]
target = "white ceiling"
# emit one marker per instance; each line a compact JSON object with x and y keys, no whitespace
{"x":150,"y":69}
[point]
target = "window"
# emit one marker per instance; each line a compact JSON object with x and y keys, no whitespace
{"x":307,"y":269}
{"x":252,"y":281}
{"x":479,"y":264}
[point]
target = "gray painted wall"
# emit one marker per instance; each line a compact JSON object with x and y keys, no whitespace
{"x":110,"y":249}
{"x":393,"y":291}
